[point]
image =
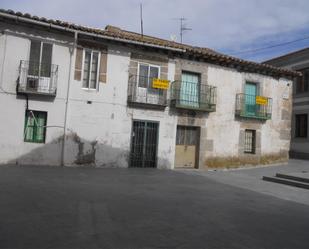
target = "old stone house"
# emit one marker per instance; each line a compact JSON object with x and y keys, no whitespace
{"x":73,"y":95}
{"x":298,"y":61}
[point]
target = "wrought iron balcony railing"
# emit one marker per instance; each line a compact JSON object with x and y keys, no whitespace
{"x":37,"y":78}
{"x":141,"y":92}
{"x":251,"y":106}
{"x":193,"y":96}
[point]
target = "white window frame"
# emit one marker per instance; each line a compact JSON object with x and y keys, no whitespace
{"x":98,"y":69}
{"x":149,"y":65}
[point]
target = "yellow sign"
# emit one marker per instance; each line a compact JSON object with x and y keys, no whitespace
{"x":259,"y":100}
{"x":160,"y":84}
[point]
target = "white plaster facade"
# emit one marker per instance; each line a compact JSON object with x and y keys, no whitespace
{"x":99,"y":122}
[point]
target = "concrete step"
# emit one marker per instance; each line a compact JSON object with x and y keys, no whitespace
{"x":286,"y":182}
{"x":293,"y":178}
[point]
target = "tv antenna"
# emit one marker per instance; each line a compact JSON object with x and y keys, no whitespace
{"x":141,"y":17}
{"x":183,"y":27}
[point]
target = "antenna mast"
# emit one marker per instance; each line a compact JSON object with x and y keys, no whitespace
{"x":141,"y":16}
{"x":182,"y":27}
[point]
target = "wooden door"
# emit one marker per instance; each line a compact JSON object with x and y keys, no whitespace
{"x":186,"y":154}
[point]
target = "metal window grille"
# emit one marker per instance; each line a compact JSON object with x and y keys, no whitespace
{"x":144,"y":144}
{"x":145,"y":95}
{"x":194,"y":96}
{"x":250,"y":137}
{"x":36,"y":77}
{"x":247,"y":107}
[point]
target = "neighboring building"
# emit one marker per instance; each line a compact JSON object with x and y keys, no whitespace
{"x":298,"y":61}
{"x":72,"y":95}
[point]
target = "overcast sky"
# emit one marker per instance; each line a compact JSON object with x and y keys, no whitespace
{"x":229,"y":26}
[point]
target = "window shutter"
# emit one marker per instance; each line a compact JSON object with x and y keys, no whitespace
{"x":78,"y":64}
{"x":103,"y":67}
{"x":46,"y":59}
{"x":29,"y":123}
{"x":34,"y":60}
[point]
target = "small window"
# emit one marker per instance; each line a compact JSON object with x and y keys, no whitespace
{"x":146,"y":75}
{"x":35,"y":126}
{"x":186,"y":135}
{"x":250,"y":141}
{"x":91,"y":64}
{"x":301,"y":127}
{"x":180,"y":136}
{"x":302,"y":84}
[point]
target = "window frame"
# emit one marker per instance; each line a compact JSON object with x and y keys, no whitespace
{"x":253,"y":142}
{"x":41,"y":54}
{"x":187,"y":101}
{"x":184,"y":135}
{"x":98,"y":69}
{"x":34,"y":136}
{"x":148,"y":76}
{"x":304,"y":84}
{"x":298,"y":126}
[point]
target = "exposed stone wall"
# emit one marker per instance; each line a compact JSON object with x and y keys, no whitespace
{"x":149,"y":58}
{"x":194,"y":118}
{"x":226,"y":131}
{"x":99,"y":121}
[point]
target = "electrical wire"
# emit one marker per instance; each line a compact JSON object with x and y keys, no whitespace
{"x":269,"y":47}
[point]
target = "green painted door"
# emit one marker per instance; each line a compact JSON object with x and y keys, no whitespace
{"x":250,"y":98}
{"x":189,"y":90}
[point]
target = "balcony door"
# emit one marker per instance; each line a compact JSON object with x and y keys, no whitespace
{"x":189,"y":90}
{"x":250,"y":98}
{"x":39,"y":68}
{"x":145,"y":92}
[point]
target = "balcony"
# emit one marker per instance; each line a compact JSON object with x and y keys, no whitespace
{"x":142,"y":94}
{"x":192,"y":96}
{"x":37,"y":78}
{"x":251,"y":106}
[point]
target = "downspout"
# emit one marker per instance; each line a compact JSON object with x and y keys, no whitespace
{"x":71,"y":50}
{"x":3,"y":61}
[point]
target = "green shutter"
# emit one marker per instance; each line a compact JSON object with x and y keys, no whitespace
{"x":35,"y":127}
{"x":250,"y":98}
{"x":29,"y":127}
{"x":39,"y":136}
{"x":189,"y":90}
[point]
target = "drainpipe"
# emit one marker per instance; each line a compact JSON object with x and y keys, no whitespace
{"x":2,"y":70}
{"x":71,"y":50}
